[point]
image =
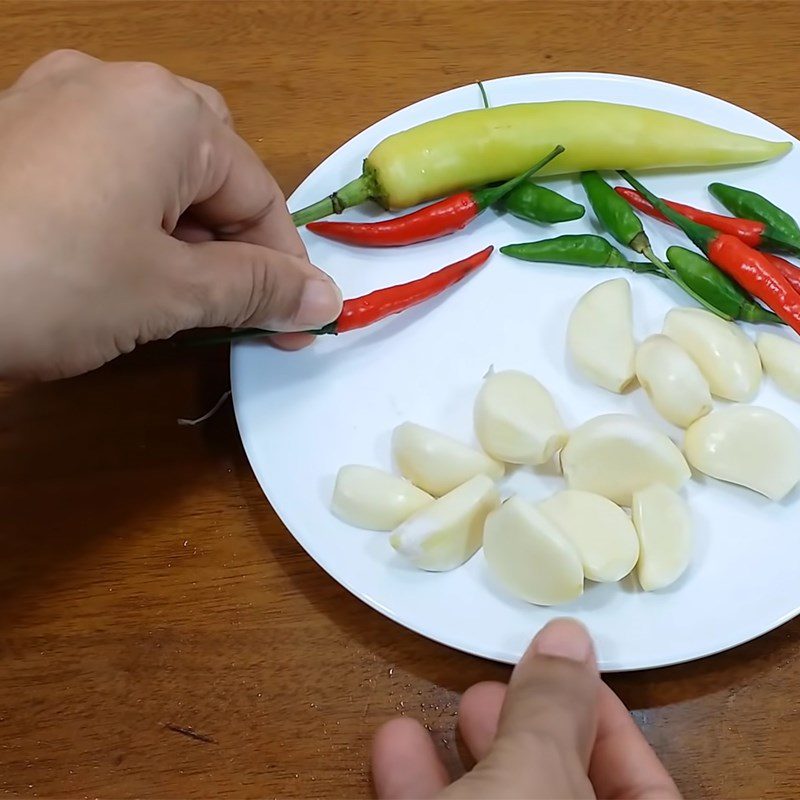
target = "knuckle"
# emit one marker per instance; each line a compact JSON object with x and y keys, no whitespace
{"x":528,"y":755}
{"x":62,"y":59}
{"x":54,"y":64}
{"x":558,"y":681}
{"x":217,"y":102}
{"x":150,"y":80}
{"x":261,"y":295}
{"x":524,"y":743}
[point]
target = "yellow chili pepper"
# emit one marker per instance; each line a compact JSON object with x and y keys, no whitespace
{"x":473,"y":148}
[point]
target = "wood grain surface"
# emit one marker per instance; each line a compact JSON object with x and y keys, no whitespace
{"x":147,"y":586}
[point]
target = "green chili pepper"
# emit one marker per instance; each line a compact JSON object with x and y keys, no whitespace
{"x":539,"y":204}
{"x":584,"y":250}
{"x":620,"y":220}
{"x":747,"y":204}
{"x":716,"y":287}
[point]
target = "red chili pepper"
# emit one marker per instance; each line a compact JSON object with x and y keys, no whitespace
{"x":752,"y":270}
{"x":438,"y":219}
{"x":790,"y":271}
{"x":756,"y":273}
{"x":362,"y":311}
{"x":749,"y":231}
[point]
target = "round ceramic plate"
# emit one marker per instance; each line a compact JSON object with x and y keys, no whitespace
{"x":303,"y":415}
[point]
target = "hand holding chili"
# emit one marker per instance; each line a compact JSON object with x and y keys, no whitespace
{"x":359,"y":312}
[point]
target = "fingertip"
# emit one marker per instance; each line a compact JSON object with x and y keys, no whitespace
{"x":404,"y":762}
{"x":396,"y":731}
{"x":291,"y":341}
{"x":479,"y":716}
{"x":563,"y":638}
{"x":320,"y":302}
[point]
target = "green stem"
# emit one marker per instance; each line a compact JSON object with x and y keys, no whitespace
{"x":354,"y":193}
{"x":255,"y":333}
{"x":701,"y":235}
{"x":484,"y":96}
{"x":487,"y":197}
{"x":678,"y":281}
{"x":646,"y":268}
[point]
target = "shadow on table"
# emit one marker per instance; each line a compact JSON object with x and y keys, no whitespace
{"x":88,"y":459}
{"x":736,"y":668}
{"x":422,"y":657}
{"x":456,"y":671}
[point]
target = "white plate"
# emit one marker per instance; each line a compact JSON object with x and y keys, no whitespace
{"x":303,"y":415}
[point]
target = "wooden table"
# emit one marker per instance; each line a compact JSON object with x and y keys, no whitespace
{"x":144,"y":580}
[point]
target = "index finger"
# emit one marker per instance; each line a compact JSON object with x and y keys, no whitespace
{"x":623,"y":763}
{"x":235,"y":194}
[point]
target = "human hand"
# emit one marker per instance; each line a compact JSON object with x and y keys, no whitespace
{"x":131,"y":211}
{"x":556,"y":731}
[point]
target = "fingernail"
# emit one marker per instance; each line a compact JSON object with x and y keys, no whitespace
{"x":320,"y":303}
{"x":564,"y":638}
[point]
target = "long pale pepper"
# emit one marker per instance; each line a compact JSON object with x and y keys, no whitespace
{"x":476,"y":148}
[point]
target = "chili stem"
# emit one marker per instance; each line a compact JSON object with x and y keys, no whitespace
{"x":351,"y":194}
{"x":670,"y":273}
{"x":483,"y":95}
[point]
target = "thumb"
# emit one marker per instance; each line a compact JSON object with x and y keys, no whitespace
{"x":548,"y":723}
{"x":241,"y":285}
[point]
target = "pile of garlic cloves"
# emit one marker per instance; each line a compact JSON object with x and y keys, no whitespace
{"x":621,"y":511}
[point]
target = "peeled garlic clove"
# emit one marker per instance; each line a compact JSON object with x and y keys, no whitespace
{"x":781,"y":360}
{"x":437,"y":463}
{"x":600,"y":531}
{"x":616,"y":455}
{"x":450,"y":530}
{"x":529,"y":556}
{"x":673,"y":382}
{"x":600,"y":335}
{"x":747,"y":445}
{"x":662,"y":522}
{"x":725,"y":354}
{"x":371,"y":498}
{"x":516,"y":419}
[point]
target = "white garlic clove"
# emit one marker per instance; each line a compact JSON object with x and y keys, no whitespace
{"x":438,"y":463}
{"x":449,"y":531}
{"x":749,"y":446}
{"x":371,"y":498}
{"x":516,"y":419}
{"x":600,"y":335}
{"x":781,"y":360}
{"x":664,"y":527}
{"x":529,"y":556}
{"x":600,"y":531}
{"x":725,"y":354}
{"x":673,"y":382}
{"x":615,"y":455}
